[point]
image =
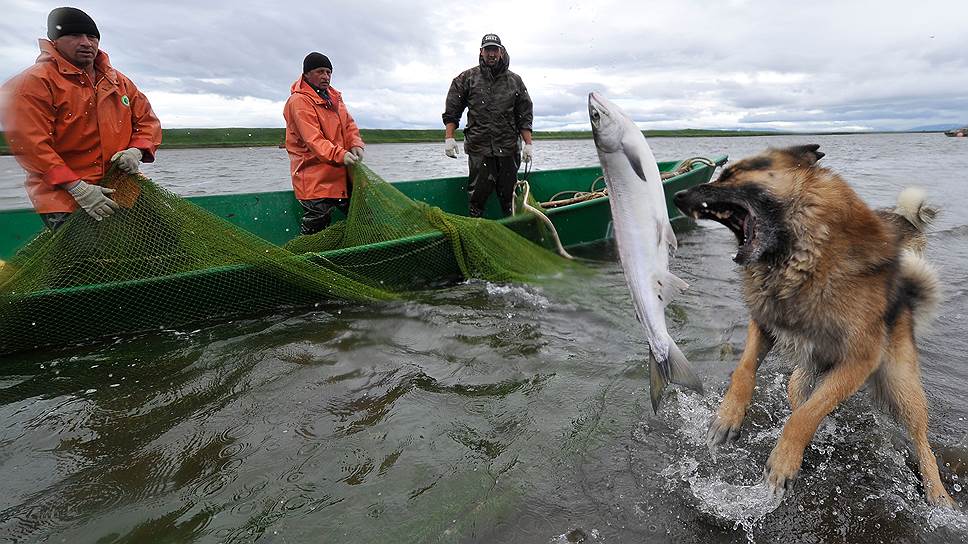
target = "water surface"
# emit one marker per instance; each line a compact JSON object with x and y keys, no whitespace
{"x":476,"y":413}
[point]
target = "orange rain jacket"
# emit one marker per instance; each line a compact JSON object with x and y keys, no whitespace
{"x":318,"y":135}
{"x":61,"y":128}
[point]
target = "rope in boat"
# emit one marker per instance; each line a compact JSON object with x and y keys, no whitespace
{"x":524,"y":186}
{"x":581,"y":196}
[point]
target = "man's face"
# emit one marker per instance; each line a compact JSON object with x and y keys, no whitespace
{"x":492,"y":54}
{"x":79,"y":49}
{"x":319,"y":77}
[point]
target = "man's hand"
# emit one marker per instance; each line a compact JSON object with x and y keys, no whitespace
{"x":93,"y":198}
{"x":128,"y":160}
{"x":349,"y":159}
{"x":527,"y":153}
{"x":450,"y":148}
{"x":358,"y":151}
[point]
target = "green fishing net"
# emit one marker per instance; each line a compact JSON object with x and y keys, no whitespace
{"x":162,"y":262}
{"x":482,"y":248}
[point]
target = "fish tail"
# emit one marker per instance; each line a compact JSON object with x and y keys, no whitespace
{"x":681,"y":372}
{"x":676,"y":369}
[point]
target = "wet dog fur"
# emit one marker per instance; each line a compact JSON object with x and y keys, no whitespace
{"x":839,"y":285}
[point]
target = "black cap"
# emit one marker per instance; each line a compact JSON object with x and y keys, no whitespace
{"x":66,"y":21}
{"x":491,"y":39}
{"x":316,"y":60}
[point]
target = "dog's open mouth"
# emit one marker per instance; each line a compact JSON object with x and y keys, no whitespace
{"x":736,"y":218}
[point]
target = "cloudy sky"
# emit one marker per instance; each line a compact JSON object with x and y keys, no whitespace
{"x":818,"y":65}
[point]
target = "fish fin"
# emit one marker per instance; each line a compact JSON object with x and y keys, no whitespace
{"x":657,"y":382}
{"x":669,"y":237}
{"x":668,"y":286}
{"x":635,"y":160}
{"x":681,"y":372}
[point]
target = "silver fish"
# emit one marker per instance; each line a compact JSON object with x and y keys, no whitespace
{"x":644,"y":237}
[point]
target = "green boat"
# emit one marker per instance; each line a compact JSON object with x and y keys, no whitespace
{"x":419,"y":261}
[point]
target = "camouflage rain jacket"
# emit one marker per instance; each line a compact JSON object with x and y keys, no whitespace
{"x":498,"y":108}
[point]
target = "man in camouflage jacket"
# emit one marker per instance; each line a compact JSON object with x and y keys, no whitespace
{"x":499,"y":112}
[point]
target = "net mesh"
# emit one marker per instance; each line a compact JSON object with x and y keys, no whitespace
{"x":482,"y":248}
{"x":163,"y":262}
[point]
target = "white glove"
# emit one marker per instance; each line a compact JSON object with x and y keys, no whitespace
{"x":128,"y":159}
{"x":450,"y":148}
{"x":93,"y":198}
{"x":527,"y":153}
{"x":349,"y":159}
{"x":358,"y":151}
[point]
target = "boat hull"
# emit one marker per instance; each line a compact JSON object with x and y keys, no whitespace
{"x":422,"y":260}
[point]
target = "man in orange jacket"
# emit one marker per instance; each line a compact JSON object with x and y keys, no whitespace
{"x":323,"y":143}
{"x":71,"y":114}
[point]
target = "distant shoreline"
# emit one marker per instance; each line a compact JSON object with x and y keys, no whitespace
{"x":192,"y":138}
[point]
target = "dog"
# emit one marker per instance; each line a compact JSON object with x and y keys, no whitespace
{"x":838,"y":285}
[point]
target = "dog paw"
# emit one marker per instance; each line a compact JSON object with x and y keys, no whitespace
{"x":724,"y":427}
{"x":782,"y":468}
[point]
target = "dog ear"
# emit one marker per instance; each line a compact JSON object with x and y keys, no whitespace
{"x":805,"y":155}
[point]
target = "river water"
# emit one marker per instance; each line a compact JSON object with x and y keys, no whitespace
{"x":476,"y":413}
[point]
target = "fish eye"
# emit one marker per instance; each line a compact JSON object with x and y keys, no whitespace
{"x":595,"y":115}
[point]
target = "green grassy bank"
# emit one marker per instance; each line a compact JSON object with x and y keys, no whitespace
{"x":180,"y":138}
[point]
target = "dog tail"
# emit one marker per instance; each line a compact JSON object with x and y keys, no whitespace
{"x":675,"y":369}
{"x":921,"y":285}
{"x":911,"y":206}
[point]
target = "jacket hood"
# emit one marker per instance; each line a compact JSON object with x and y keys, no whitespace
{"x":500,"y":67}
{"x":49,"y":53}
{"x":300,"y":86}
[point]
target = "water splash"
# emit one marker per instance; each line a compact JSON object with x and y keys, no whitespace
{"x":517,"y":295}
{"x":743,"y":505}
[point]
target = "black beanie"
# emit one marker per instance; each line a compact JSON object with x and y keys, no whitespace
{"x":65,"y":21}
{"x":316,"y":60}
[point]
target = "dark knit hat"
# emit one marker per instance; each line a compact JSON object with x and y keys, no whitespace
{"x":316,"y":60}
{"x":66,"y":21}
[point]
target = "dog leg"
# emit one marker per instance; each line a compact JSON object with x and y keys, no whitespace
{"x":898,"y":384}
{"x":798,"y":389}
{"x":725,"y":426}
{"x":839,"y":383}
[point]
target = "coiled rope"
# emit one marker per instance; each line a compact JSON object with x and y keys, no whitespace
{"x":525,"y":188}
{"x":581,"y":196}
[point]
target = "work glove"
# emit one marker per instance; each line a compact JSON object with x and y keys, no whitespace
{"x":93,"y":198}
{"x":128,"y":160}
{"x":358,"y":151}
{"x":527,"y":153}
{"x":450,"y":148}
{"x":349,"y":159}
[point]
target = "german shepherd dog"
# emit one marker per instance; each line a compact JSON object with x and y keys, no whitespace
{"x":839,"y":286}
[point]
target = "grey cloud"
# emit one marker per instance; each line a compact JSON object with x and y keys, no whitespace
{"x":685,"y":64}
